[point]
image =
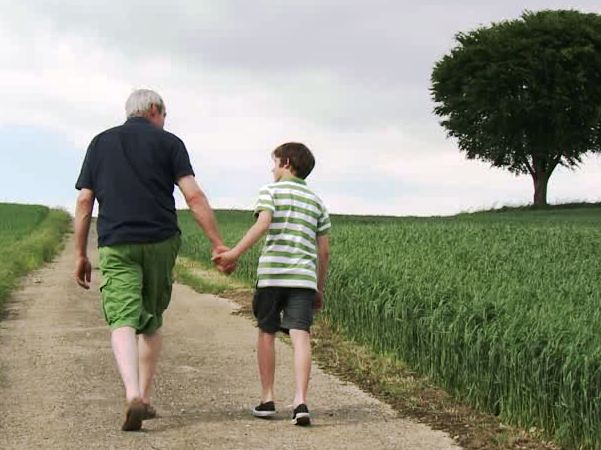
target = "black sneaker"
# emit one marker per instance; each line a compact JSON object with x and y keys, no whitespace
{"x":301,"y":415}
{"x":264,"y":410}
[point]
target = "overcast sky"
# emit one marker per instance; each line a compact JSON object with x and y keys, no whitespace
{"x":349,"y":78}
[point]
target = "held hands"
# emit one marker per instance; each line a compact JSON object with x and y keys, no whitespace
{"x":223,"y":259}
{"x":83,"y":272}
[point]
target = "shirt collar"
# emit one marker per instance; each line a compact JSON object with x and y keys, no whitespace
{"x":293,"y":179}
{"x":137,"y":120}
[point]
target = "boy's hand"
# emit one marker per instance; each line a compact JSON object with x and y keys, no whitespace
{"x":225,"y":260}
{"x":227,"y":269}
{"x":218,"y":249}
{"x":318,"y":301}
{"x":83,"y":272}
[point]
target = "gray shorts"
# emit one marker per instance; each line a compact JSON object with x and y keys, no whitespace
{"x":283,"y":309}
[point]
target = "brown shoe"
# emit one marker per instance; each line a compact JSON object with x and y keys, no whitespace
{"x":134,"y":415}
{"x":150,"y":412}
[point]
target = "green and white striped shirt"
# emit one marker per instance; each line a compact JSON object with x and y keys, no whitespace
{"x":289,"y":257}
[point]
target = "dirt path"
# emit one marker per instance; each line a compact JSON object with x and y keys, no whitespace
{"x":59,"y":387}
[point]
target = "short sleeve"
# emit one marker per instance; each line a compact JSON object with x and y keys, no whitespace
{"x":323,"y":224}
{"x":180,"y":161}
{"x":265,"y":202}
{"x":86,"y":175}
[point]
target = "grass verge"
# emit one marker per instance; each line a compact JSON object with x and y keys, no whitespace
{"x":31,"y":251}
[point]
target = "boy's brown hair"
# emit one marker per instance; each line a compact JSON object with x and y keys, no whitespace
{"x":299,"y":157}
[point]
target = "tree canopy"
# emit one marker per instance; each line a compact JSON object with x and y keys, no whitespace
{"x":524,"y":94}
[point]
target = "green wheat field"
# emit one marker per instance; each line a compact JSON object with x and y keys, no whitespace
{"x":502,"y":308}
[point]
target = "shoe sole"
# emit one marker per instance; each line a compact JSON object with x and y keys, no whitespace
{"x":134,"y":416}
{"x":263,"y":414}
{"x":302,"y":419}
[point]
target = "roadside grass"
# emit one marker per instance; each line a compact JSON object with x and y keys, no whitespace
{"x":29,"y":236}
{"x":201,"y":279}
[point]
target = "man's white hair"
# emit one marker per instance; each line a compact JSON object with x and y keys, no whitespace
{"x":140,"y":102}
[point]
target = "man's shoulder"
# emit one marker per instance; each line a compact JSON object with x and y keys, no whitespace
{"x":100,"y":138}
{"x":108,"y":133}
{"x":148,"y":129}
{"x":171,"y":137}
{"x":113,"y":130}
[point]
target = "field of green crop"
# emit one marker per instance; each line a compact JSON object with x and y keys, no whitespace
{"x":29,"y":236}
{"x":501,"y":308}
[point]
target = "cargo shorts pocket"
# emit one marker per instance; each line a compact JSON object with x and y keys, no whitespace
{"x":105,"y":282}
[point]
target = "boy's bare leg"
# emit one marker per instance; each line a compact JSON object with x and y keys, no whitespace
{"x":125,"y":349}
{"x":266,"y":360}
{"x":301,"y":342}
{"x":149,"y":348}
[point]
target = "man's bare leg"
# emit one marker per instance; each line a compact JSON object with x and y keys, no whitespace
{"x":149,"y":348}
{"x":266,"y":360}
{"x":301,"y":342}
{"x":125,"y":349}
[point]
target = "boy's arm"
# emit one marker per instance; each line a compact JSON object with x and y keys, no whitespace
{"x":253,"y":234}
{"x":323,"y":258}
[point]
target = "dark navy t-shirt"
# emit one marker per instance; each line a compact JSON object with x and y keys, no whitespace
{"x":132,"y":170}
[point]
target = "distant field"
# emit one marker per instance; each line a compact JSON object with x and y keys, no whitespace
{"x":29,"y":236}
{"x":17,"y":221}
{"x":501,"y":308}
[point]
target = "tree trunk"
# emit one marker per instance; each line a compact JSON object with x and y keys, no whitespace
{"x":540,"y":189}
{"x":541,"y":170}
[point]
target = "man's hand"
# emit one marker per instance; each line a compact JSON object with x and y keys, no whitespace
{"x":225,"y":260}
{"x":318,"y":301}
{"x":83,"y":272}
{"x":226,"y":266}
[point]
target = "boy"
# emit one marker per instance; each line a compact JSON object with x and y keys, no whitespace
{"x":291,"y":273}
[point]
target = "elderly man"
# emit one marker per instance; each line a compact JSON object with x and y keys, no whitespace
{"x":132,"y":169}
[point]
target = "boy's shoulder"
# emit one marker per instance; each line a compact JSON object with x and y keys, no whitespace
{"x":287,"y":185}
{"x":290,"y":187}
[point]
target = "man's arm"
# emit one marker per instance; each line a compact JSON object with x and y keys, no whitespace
{"x":83,"y":218}
{"x":201,"y":210}
{"x":323,"y":258}
{"x":251,"y":237}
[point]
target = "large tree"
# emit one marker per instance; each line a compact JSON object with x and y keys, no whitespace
{"x":525,"y":94}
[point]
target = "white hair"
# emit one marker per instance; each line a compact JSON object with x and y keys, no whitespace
{"x":140,"y":102}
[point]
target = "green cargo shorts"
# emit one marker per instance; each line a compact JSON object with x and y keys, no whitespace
{"x":137,"y":282}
